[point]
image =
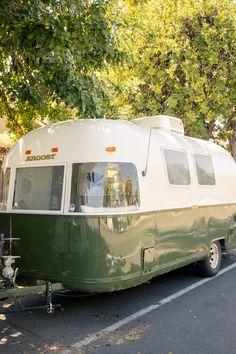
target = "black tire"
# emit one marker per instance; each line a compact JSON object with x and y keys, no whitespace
{"x":210,"y":266}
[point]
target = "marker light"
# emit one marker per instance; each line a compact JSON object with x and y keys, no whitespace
{"x":28,"y":152}
{"x":55,"y":149}
{"x":110,"y":149}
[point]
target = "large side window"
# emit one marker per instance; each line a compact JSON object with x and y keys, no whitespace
{"x":96,"y":186}
{"x":177,"y":167}
{"x":205,"y":169}
{"x":38,"y":188}
{"x":4,"y":187}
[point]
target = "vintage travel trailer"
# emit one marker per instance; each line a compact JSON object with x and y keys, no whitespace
{"x":102,"y":205}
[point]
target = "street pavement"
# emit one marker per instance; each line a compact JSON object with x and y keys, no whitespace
{"x":175,"y":313}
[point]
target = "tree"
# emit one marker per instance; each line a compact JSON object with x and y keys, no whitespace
{"x":50,"y":52}
{"x":182,"y":63}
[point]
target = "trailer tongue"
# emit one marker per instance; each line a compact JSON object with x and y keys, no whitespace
{"x":9,"y":289}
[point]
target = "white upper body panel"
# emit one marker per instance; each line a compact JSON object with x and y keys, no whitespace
{"x":87,"y":140}
{"x":82,"y":141}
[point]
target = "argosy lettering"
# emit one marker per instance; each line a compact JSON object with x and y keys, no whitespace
{"x":40,"y":157}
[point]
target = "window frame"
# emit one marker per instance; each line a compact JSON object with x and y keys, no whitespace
{"x":35,"y":211}
{"x":195,"y":167}
{"x":105,"y":211}
{"x":8,"y":188}
{"x":172,"y":148}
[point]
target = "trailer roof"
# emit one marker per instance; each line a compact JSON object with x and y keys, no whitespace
{"x":97,"y":140}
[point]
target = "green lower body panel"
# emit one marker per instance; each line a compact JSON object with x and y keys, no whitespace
{"x":107,"y":253}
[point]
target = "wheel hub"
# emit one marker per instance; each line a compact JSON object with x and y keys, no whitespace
{"x":214,"y":256}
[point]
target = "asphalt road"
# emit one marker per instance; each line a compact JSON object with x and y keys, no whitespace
{"x":175,"y":313}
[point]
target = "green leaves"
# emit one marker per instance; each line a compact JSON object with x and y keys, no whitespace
{"x":182,"y":62}
{"x":50,"y":51}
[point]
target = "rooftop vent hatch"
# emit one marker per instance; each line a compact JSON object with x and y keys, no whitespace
{"x":171,"y":124}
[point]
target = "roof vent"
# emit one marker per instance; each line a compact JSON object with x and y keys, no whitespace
{"x":172,"y":124}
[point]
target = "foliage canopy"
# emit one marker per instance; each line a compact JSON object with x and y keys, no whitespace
{"x":182,"y":62}
{"x":50,"y":51}
{"x":64,"y":59}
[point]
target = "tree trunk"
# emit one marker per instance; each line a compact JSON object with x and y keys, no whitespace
{"x":210,"y":128}
{"x":232,"y":137}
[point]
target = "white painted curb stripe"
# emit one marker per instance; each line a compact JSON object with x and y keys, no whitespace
{"x":95,"y":336}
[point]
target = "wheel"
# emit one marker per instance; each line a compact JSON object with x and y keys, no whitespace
{"x":210,"y":266}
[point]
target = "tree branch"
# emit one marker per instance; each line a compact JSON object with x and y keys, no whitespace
{"x":9,"y":112}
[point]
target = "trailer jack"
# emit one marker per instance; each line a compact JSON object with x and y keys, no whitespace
{"x":50,"y":306}
{"x":19,"y":292}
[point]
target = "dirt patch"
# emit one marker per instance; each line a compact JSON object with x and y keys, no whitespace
{"x":117,"y":338}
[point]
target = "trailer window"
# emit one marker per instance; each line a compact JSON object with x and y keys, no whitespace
{"x":4,"y":186}
{"x":99,"y":186}
{"x":205,"y":169}
{"x":38,"y":188}
{"x":177,"y":167}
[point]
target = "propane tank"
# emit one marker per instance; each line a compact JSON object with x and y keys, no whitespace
{"x":8,"y":271}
